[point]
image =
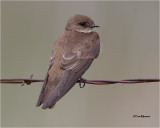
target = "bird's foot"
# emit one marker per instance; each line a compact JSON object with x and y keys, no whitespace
{"x":82,"y":82}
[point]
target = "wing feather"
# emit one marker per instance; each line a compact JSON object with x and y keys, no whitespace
{"x":70,"y":77}
{"x":43,"y":90}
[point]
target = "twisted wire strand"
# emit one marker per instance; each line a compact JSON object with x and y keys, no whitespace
{"x":23,"y":81}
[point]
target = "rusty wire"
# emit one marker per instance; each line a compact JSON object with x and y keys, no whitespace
{"x":84,"y":81}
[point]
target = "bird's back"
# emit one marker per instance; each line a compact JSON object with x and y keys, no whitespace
{"x":72,"y":55}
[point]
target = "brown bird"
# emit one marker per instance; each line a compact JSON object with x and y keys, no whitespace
{"x":72,"y":55}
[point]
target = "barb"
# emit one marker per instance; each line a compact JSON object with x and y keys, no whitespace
{"x":84,"y":81}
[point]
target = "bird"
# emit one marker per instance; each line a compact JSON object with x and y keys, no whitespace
{"x":72,"y":54}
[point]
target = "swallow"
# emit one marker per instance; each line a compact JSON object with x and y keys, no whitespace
{"x":72,"y":54}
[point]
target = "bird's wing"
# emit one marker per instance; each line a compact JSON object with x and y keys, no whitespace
{"x":44,"y":87}
{"x":74,"y":68}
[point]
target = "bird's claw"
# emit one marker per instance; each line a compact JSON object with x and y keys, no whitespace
{"x":82,"y":80}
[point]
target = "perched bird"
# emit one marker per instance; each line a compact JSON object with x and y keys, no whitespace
{"x":72,"y":55}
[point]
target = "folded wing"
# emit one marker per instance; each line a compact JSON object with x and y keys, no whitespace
{"x":74,"y":68}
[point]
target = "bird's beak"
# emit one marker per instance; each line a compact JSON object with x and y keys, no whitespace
{"x":94,"y":25}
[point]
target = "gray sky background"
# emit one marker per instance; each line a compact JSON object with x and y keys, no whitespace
{"x":130,"y":49}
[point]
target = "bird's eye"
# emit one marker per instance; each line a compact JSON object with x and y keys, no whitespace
{"x":82,"y":23}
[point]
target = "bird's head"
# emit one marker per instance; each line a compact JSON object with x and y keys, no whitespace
{"x":80,"y":23}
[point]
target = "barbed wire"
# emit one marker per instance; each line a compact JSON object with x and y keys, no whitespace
{"x":81,"y":82}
